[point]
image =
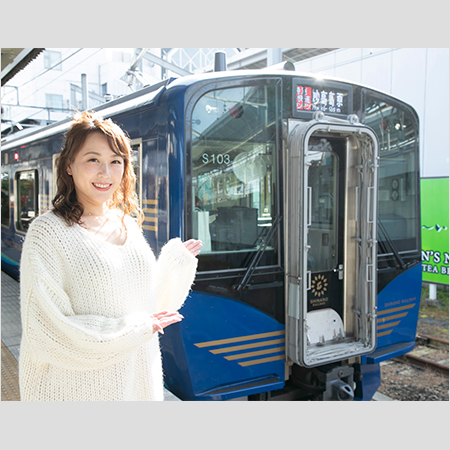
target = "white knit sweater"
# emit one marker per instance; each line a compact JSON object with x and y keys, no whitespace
{"x":85,"y":307}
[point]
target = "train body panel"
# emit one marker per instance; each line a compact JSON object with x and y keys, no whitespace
{"x":398,"y":312}
{"x":213,"y":158}
{"x":239,"y":357}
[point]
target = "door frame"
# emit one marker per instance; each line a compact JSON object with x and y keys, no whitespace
{"x":360,"y":242}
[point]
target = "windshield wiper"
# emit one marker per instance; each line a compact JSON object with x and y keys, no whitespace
{"x":252,"y":266}
{"x":392,"y":246}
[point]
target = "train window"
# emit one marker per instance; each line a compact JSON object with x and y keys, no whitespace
{"x":398,"y":175}
{"x":233,"y":175}
{"x":5,"y":199}
{"x":27,"y":198}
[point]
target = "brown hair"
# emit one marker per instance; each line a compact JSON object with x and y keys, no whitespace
{"x":65,"y":203}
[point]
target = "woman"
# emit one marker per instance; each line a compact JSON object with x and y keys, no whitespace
{"x":93,"y":297}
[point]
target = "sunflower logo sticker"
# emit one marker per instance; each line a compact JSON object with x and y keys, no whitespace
{"x":319,"y":285}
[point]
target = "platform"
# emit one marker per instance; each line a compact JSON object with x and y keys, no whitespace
{"x":11,"y":335}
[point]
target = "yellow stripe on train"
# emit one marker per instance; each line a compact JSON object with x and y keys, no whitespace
{"x":388,"y":315}
{"x":150,"y":206}
{"x":240,"y":351}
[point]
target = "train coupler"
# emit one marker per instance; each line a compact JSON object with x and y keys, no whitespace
{"x":338,"y":384}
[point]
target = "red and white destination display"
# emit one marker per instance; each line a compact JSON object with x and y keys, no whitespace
{"x":321,"y":98}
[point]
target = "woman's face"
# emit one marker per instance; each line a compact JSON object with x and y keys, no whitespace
{"x":96,"y":171}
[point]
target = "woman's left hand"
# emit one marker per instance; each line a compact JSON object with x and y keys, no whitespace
{"x":163,"y":319}
{"x":193,"y":246}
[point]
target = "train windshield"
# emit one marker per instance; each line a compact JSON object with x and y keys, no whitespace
{"x":234,"y":168}
{"x":398,"y":207}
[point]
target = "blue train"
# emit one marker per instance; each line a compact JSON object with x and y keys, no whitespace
{"x":305,"y":193}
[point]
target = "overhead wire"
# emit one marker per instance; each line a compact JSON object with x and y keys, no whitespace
{"x":65,"y":72}
{"x":62,"y":73}
{"x":51,"y":68}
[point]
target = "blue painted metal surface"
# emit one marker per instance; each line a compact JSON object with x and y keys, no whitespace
{"x":222,"y":349}
{"x":368,"y":379}
{"x":398,"y":310}
{"x":11,"y":251}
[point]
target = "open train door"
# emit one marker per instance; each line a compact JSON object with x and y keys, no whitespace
{"x":331,"y":201}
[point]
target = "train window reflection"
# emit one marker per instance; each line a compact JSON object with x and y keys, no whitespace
{"x":26,"y":200}
{"x":233,"y":171}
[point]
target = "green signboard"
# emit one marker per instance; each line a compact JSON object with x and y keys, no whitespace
{"x":435,"y":225}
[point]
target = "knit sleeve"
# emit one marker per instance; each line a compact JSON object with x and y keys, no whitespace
{"x":176,"y":268}
{"x":55,"y":334}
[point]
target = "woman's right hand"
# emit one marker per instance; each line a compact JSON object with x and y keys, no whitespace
{"x":194,"y":246}
{"x":163,"y":319}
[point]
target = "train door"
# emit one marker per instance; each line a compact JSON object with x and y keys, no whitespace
{"x":325,"y":224}
{"x":331,"y":229}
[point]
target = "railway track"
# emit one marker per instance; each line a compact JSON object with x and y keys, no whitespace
{"x":430,"y":352}
{"x":421,"y":375}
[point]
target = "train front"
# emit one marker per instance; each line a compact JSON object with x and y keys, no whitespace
{"x":279,"y":179}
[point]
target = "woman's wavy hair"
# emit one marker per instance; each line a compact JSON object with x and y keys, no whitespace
{"x":65,"y":203}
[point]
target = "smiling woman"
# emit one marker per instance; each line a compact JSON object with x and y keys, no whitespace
{"x":93,"y":296}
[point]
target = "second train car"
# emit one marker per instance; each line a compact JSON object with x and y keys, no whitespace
{"x":305,"y":193}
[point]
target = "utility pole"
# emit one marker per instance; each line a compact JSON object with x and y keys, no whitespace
{"x":274,"y":56}
{"x":84,"y":92}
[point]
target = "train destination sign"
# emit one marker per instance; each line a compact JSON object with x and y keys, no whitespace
{"x":310,"y":97}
